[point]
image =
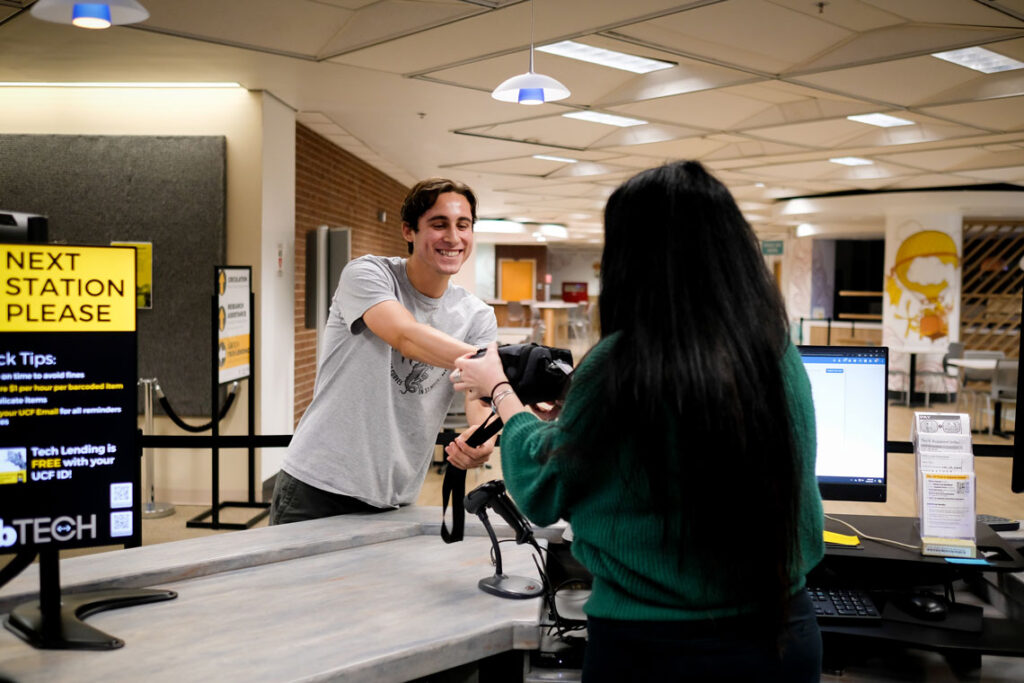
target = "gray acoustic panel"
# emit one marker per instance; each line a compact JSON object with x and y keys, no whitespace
{"x":168,"y":190}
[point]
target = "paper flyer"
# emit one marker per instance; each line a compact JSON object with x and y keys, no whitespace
{"x":945,"y":483}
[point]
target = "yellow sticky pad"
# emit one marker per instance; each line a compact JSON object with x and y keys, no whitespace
{"x":840,"y":539}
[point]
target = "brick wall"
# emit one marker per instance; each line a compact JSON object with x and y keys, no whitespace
{"x":335,"y":188}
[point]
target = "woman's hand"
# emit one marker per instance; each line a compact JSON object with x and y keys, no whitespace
{"x":478,"y":376}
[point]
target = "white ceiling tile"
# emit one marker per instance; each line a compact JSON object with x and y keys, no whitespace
{"x":752,"y":34}
{"x":931,"y":180}
{"x":1013,"y":174}
{"x":901,"y":41}
{"x":1003,"y":115}
{"x":552,"y":131}
{"x":946,"y":12}
{"x":688,"y":76}
{"x":712,"y":110}
{"x":296,"y":27}
{"x":901,"y":82}
{"x":852,"y":15}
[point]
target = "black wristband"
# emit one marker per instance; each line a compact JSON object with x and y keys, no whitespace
{"x":494,"y":388}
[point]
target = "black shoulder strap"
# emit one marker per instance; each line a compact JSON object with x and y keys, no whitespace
{"x":454,"y":485}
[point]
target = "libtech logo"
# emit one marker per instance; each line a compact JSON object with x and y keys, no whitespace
{"x":42,"y":530}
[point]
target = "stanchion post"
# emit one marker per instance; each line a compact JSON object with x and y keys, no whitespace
{"x":151,"y":509}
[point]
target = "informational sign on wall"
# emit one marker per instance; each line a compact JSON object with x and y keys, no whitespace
{"x":233,"y":322}
{"x":69,"y":466}
{"x":143,"y":272}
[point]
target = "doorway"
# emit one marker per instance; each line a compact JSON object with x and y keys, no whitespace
{"x":517,"y":279}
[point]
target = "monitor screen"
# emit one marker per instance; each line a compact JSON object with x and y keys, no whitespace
{"x":851,"y":413}
{"x":22,"y":227}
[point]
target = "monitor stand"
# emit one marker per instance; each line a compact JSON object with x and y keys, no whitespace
{"x":55,"y":621}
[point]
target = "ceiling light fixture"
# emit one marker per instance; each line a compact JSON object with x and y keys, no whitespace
{"x":554,"y":231}
{"x":90,"y":14}
{"x":499,"y":227}
{"x":851,"y":161}
{"x":530,"y":87}
{"x":548,"y":157}
{"x":880,"y":120}
{"x":603,"y":57}
{"x":980,"y":59}
{"x":112,"y":84}
{"x":606,"y":119}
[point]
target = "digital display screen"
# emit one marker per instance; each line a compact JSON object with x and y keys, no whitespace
{"x":69,"y":459}
{"x":851,"y":417}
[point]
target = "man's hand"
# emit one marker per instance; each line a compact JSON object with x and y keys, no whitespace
{"x":466,"y":457}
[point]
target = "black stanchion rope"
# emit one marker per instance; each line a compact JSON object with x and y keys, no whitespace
{"x":166,"y":405}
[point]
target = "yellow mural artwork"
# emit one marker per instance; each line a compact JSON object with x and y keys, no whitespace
{"x":925,"y":263}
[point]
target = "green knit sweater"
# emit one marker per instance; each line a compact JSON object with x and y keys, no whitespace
{"x":637,"y":575}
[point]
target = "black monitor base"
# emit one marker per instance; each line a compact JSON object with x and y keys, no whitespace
{"x":68,"y":631}
{"x":54,"y":622}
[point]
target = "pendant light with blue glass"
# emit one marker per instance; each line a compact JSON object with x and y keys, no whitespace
{"x":90,"y":14}
{"x":530,"y":87}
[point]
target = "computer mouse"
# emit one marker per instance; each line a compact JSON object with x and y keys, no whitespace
{"x":923,"y":606}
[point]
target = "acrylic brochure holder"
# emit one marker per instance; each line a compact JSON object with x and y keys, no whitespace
{"x":946,"y":484}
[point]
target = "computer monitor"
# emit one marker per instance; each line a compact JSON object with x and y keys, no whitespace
{"x":851,"y":413}
{"x":16,"y":226}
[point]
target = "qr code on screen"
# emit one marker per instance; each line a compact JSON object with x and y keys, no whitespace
{"x":120,"y":524}
{"x":121,"y":495}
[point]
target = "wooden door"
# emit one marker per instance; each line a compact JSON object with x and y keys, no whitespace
{"x":516,"y":279}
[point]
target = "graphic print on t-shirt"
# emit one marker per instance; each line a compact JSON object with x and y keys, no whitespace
{"x":414,"y":377}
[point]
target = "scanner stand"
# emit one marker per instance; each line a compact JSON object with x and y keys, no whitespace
{"x":492,"y":494}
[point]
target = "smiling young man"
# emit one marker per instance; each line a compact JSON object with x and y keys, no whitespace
{"x":395,"y":328}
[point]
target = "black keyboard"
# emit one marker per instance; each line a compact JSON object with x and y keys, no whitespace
{"x":843,"y":607}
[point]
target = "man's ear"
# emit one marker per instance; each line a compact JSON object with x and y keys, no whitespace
{"x":407,"y":232}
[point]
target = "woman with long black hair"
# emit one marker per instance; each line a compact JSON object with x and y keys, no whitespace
{"x":684,"y":453}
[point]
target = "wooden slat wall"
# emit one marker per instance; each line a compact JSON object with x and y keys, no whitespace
{"x":990,"y":303}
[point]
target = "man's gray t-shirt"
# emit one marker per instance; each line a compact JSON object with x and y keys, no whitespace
{"x":370,"y":430}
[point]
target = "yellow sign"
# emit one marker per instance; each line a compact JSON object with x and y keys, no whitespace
{"x":63,"y":288}
{"x":143,"y":271}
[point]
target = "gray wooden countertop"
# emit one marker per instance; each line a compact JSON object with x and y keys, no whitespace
{"x":360,"y":597}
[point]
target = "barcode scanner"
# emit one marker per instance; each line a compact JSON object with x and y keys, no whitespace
{"x":491,"y":494}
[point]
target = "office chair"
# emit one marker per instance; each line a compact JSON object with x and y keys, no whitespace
{"x":1003,"y":389}
{"x":976,"y":384}
{"x":904,"y":380}
{"x":516,"y":314}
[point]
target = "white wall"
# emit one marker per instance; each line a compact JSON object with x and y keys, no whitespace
{"x":260,"y":213}
{"x":486,"y":287}
{"x":573,"y":264}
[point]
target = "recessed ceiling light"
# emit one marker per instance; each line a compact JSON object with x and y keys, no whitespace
{"x":851,"y":161}
{"x":603,"y":57}
{"x":84,"y":84}
{"x":499,"y":227}
{"x":548,"y":157}
{"x":555,"y":231}
{"x":980,"y":59}
{"x":806,"y":230}
{"x":606,"y":119}
{"x":880,"y":120}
